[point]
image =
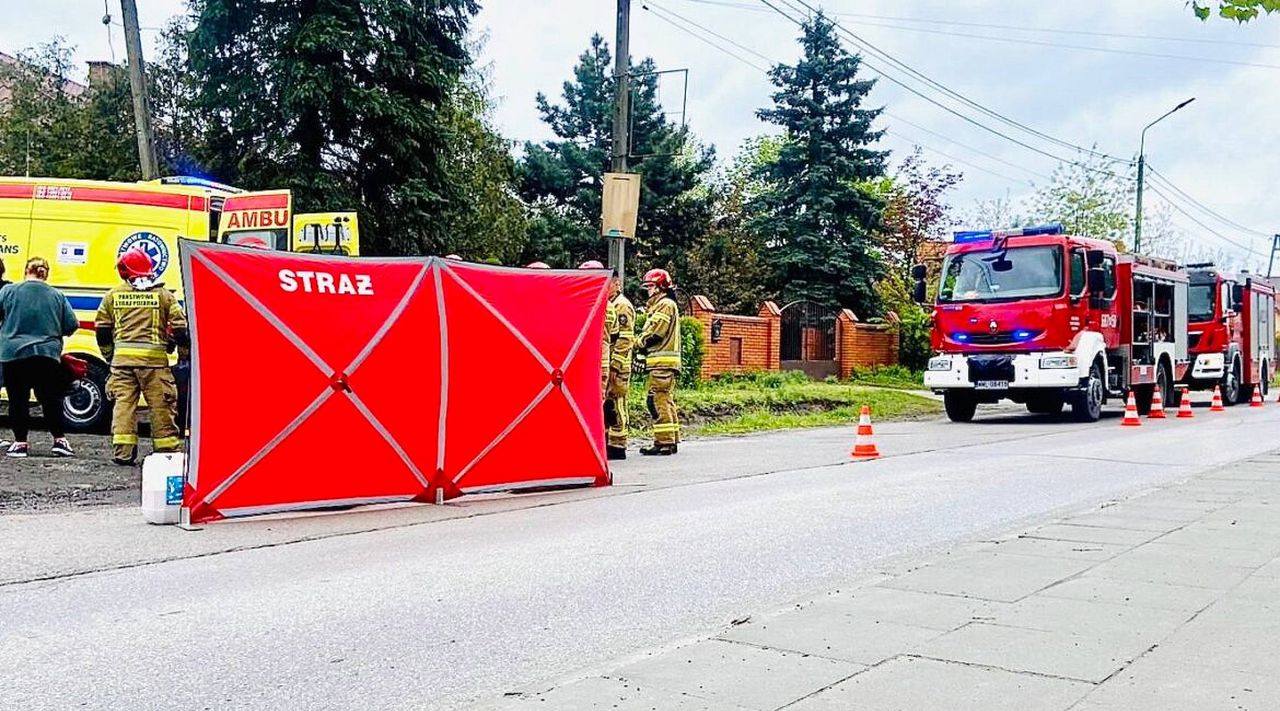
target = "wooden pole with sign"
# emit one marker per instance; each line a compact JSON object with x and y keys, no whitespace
{"x":621,"y":147}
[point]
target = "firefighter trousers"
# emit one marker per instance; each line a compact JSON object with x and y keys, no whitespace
{"x":662,"y":406}
{"x":156,"y":384}
{"x":617,"y":394}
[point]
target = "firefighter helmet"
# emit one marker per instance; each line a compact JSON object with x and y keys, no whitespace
{"x":591,"y":264}
{"x":454,"y":257}
{"x":135,"y":264}
{"x":658,"y":277}
{"x":537,"y":265}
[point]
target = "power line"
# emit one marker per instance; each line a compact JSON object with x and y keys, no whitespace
{"x":868,"y":46}
{"x":896,"y":133}
{"x":967,"y":147}
{"x":1058,"y":31}
{"x":969,"y":119}
{"x":1203,"y":208}
{"x":1016,"y":28}
{"x":700,"y":38}
{"x":1088,"y":48}
{"x":1161,"y":180}
{"x":1202,"y":225}
{"x":707,"y":30}
{"x":901,"y":136}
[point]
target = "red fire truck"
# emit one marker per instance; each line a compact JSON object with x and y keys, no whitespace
{"x":1040,"y":317}
{"x":1232,"y":332}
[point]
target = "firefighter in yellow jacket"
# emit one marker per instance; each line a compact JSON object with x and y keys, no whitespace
{"x":606,"y":341}
{"x":137,"y":326}
{"x":622,"y":339}
{"x":660,"y":341}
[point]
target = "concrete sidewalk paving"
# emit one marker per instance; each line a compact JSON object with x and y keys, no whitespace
{"x":1169,"y":600}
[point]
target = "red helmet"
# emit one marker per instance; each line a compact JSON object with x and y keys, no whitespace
{"x":591,"y":264}
{"x":134,"y":264}
{"x":658,"y":277}
{"x":537,"y":265}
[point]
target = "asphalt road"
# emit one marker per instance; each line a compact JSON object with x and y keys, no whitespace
{"x":442,"y":612}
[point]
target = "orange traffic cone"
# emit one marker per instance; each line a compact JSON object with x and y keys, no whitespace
{"x":1131,"y":413}
{"x":1184,"y":409}
{"x":863,"y":447}
{"x":1157,"y":406}
{"x":1256,"y":399}
{"x":1217,"y":400}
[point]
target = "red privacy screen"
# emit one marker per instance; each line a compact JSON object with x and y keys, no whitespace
{"x":323,"y":381}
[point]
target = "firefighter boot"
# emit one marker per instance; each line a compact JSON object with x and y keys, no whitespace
{"x":616,"y":434}
{"x":659,"y":450}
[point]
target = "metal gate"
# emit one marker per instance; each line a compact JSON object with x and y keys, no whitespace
{"x":809,"y":339}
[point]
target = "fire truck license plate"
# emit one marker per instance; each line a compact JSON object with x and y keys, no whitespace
{"x":992,"y":385}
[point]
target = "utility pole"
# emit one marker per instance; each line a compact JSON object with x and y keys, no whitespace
{"x":621,"y":111}
{"x":138,"y":83}
{"x":1275,"y":247}
{"x":1137,"y":213}
{"x":1142,"y":164}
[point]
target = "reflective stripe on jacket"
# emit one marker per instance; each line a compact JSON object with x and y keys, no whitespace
{"x":663,"y":321}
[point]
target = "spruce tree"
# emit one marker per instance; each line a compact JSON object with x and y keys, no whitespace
{"x":562,"y":179}
{"x":347,"y":102}
{"x":818,"y":225}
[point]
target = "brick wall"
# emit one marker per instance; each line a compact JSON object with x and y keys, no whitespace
{"x":860,"y":345}
{"x":744,"y":344}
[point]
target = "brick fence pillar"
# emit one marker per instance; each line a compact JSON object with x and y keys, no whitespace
{"x":770,"y":312}
{"x":701,"y":308}
{"x":846,"y":342}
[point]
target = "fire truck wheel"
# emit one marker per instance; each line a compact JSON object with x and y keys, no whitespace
{"x":1266,"y":381}
{"x":1086,"y":403}
{"x":85,"y":408}
{"x":1232,"y":389}
{"x":960,"y":406}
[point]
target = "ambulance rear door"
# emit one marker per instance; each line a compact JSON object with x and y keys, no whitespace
{"x":257,"y":219}
{"x":327,"y":233}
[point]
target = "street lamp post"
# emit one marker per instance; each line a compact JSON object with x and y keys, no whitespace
{"x":1142,"y":164}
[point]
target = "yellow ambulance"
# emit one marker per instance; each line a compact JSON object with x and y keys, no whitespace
{"x":83,"y":226}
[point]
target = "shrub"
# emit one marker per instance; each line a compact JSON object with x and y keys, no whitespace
{"x":914,"y":346}
{"x":693,"y":348}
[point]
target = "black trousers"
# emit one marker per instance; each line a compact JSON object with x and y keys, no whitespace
{"x":47,"y":378}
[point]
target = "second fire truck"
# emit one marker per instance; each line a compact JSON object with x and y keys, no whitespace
{"x":1232,"y":325}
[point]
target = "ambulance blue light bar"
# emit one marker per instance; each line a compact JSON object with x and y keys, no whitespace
{"x":1053,"y":228}
{"x":197,"y":182}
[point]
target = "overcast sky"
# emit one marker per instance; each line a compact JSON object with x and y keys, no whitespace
{"x":1222,"y":150}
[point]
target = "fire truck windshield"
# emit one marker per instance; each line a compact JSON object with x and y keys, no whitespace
{"x":1015,"y":273}
{"x":1200,"y":302}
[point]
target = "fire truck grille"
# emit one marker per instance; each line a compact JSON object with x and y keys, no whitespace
{"x":986,"y":338}
{"x":990,"y":368}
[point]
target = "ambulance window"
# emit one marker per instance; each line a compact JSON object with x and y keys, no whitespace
{"x":1109,"y":266}
{"x":1078,"y":281}
{"x":260,"y":239}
